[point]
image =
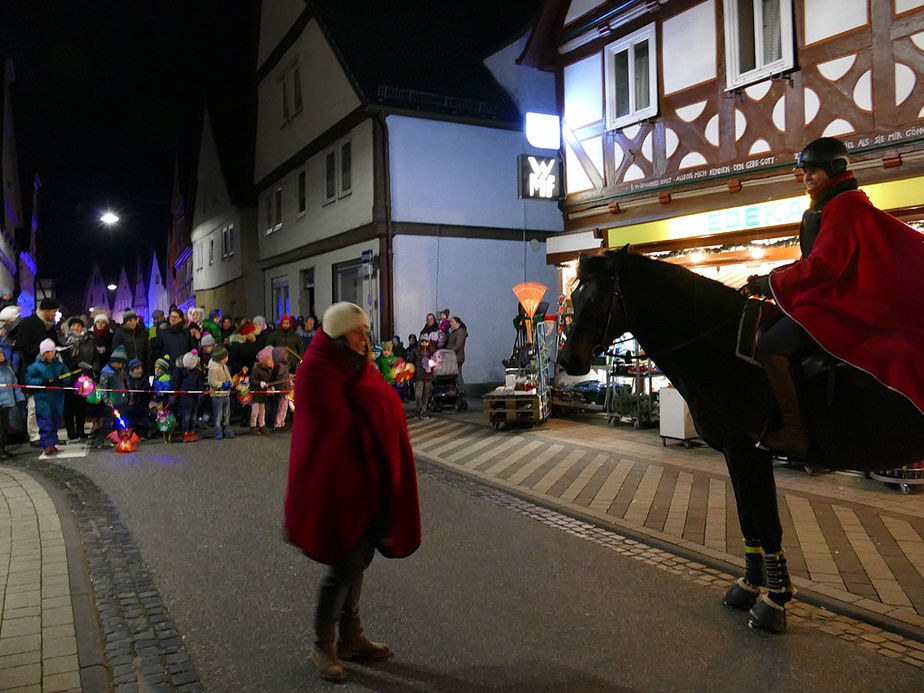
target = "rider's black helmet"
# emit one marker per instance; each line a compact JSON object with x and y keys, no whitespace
{"x":827,"y":153}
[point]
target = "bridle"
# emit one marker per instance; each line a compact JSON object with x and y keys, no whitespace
{"x":616,"y":297}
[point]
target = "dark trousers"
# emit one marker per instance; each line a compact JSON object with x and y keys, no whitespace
{"x":75,"y":414}
{"x":785,"y":337}
{"x":4,"y":426}
{"x":341,"y":587}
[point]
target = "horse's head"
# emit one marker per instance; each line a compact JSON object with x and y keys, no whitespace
{"x":599,"y":313}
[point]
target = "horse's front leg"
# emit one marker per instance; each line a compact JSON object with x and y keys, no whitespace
{"x":751,"y":472}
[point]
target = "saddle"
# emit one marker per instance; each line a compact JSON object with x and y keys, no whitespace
{"x":758,"y":315}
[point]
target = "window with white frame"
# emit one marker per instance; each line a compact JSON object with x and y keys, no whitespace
{"x":227,"y":241}
{"x":290,"y":86}
{"x":302,"y":193}
{"x":338,"y":171}
{"x":199,"y":255}
{"x":758,"y":40}
{"x":346,"y":168}
{"x":270,"y":215}
{"x":631,"y":73}
{"x":330,"y":176}
{"x":211,"y":251}
{"x":278,"y":209}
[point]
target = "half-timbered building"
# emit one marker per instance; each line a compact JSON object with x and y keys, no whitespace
{"x":681,"y":119}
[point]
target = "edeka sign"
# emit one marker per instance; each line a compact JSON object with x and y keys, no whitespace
{"x":539,"y":177}
{"x":785,"y":212}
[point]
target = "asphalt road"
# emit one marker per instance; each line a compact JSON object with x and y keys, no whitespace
{"x":492,"y":600}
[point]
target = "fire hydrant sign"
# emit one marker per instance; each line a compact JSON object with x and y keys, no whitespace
{"x":539,"y":177}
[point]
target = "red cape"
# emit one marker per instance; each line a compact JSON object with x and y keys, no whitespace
{"x":860,"y":292}
{"x":350,"y":463}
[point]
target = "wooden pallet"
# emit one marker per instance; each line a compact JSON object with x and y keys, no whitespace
{"x":527,"y":409}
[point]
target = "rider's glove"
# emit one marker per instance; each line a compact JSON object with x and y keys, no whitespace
{"x":759,"y":284}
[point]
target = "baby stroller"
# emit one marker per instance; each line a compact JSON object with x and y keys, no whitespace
{"x":446,"y":382}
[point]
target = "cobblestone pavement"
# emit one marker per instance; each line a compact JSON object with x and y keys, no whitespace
{"x":854,"y":545}
{"x":57,"y":633}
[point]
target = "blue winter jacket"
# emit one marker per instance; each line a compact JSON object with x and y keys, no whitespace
{"x":110,"y":379}
{"x":9,"y":396}
{"x":48,"y":402}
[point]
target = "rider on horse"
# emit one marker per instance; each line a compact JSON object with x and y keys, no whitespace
{"x":858,"y":291}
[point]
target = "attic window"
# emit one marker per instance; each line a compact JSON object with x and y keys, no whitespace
{"x":631,"y":78}
{"x":291,"y":89}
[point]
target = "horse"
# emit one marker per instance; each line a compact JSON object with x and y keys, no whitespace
{"x":688,"y":325}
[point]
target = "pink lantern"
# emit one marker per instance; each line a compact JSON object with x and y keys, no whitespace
{"x":85,"y":386}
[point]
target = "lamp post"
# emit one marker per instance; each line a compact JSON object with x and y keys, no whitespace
{"x":109,"y":219}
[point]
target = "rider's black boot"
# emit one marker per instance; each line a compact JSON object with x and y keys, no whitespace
{"x":744,"y":593}
{"x":769,"y":613}
{"x":791,"y":438}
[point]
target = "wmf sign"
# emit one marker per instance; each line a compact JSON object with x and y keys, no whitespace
{"x":539,"y":177}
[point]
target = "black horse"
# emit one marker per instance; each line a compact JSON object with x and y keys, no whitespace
{"x":688,"y":325}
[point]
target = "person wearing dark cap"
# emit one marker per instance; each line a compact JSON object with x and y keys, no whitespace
{"x":352,"y":485}
{"x":157,"y":317}
{"x":858,"y":291}
{"x":80,"y":354}
{"x":132,"y":335}
{"x":26,"y":337}
{"x":6,"y":297}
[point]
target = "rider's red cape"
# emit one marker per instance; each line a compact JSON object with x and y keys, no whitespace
{"x":350,"y":464}
{"x":860,"y":292}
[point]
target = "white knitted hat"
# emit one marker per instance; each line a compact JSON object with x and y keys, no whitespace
{"x":190,"y":360}
{"x":342,"y":317}
{"x":10,"y":313}
{"x":46,"y":345}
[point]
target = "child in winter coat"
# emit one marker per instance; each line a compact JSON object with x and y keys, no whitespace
{"x":283,"y":382}
{"x":9,"y":398}
{"x":136,"y":410}
{"x":190,"y":378}
{"x":49,"y":404}
{"x":220,"y":385}
{"x":260,"y":377}
{"x":112,"y":384}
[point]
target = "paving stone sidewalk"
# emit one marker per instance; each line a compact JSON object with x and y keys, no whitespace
{"x":60,"y":533}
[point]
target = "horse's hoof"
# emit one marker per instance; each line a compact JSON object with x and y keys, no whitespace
{"x":767,"y":615}
{"x":741,"y":595}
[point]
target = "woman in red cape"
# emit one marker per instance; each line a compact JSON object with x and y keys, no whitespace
{"x":858,"y":291}
{"x":352,"y":484}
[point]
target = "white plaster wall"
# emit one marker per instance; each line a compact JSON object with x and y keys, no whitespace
{"x":824,"y":18}
{"x":323,"y":279}
{"x":223,"y":269}
{"x":531,"y":89}
{"x":276,"y":18}
{"x":448,"y":173}
{"x":320,"y":220}
{"x":580,"y":7}
{"x":681,"y":66}
{"x":584,"y":91}
{"x":327,"y":96}
{"x":474,"y":278}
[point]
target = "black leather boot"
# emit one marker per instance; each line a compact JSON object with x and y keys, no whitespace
{"x":745,"y":592}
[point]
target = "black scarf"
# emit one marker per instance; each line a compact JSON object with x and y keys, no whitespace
{"x":811,"y":220}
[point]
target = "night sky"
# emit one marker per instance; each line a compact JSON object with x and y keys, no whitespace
{"x":108,"y":98}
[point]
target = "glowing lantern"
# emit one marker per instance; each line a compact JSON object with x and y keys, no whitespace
{"x":529,"y":294}
{"x":85,"y":386}
{"x":403,"y":371}
{"x":94,"y":397}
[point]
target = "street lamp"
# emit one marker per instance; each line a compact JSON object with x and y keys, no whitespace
{"x":109,"y":219}
{"x":111,"y":287}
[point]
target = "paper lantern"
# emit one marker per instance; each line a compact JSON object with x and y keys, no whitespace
{"x":94,"y":397}
{"x":530,"y":294}
{"x":85,"y":386}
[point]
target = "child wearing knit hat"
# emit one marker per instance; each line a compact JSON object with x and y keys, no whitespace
{"x":112,"y":386}
{"x":220,"y":385}
{"x":190,"y":379}
{"x":260,"y":377}
{"x":48,"y":370}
